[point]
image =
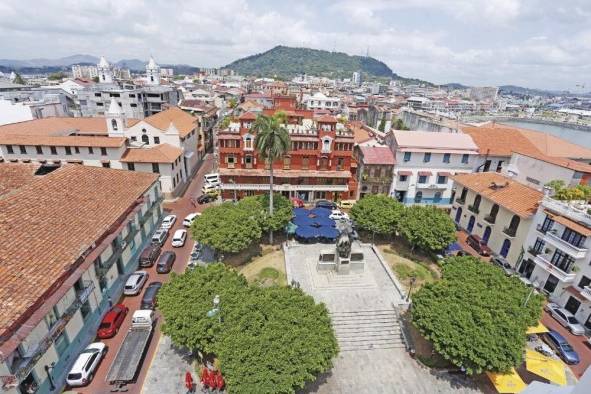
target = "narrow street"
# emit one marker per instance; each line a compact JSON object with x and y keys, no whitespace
{"x":181,"y":207}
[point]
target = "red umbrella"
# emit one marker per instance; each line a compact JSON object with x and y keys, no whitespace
{"x":189,"y":381}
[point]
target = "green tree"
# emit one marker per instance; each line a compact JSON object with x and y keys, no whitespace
{"x":475,"y":316}
{"x":268,"y":340}
{"x":377,"y":213}
{"x":427,"y":227}
{"x":382,"y":125}
{"x":232,"y":103}
{"x":556,"y":185}
{"x":225,"y":122}
{"x":18,"y":79}
{"x":398,"y":124}
{"x":282,"y":210}
{"x":226,"y":228}
{"x":56,"y":76}
{"x":95,"y":79}
{"x":272,"y":143}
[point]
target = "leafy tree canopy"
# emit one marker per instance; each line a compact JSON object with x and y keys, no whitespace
{"x":282,"y":210}
{"x":476,"y":316}
{"x":377,"y":213}
{"x":19,"y":79}
{"x":427,"y":227}
{"x":270,"y":340}
{"x":226,"y":228}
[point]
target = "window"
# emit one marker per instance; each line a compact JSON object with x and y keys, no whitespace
{"x":68,"y":150}
{"x":248,"y":161}
{"x":22,"y":149}
{"x":441,"y":179}
{"x":39,"y":150}
{"x":446,"y":157}
{"x":419,"y":197}
{"x":76,"y":149}
{"x":476,"y":203}
{"x":106,"y":164}
{"x":427,"y":158}
{"x":562,"y":260}
{"x":90,"y":150}
{"x":53,"y":150}
{"x":156,"y":140}
{"x":231,"y":160}
{"x":114,"y":124}
{"x":146,"y":139}
{"x":131,"y":166}
{"x":98,"y":94}
{"x":286,"y":163}
{"x":584,"y":282}
{"x":340,"y":163}
{"x":133,"y":105}
{"x":538,"y":246}
{"x":403,"y":178}
{"x":104,"y":151}
{"x":305,"y":163}
{"x":422,"y":178}
{"x":499,"y":165}
{"x":155,"y":168}
{"x":9,"y":149}
{"x":407,"y":156}
{"x":573,"y":238}
{"x":248,"y":142}
{"x":437,"y":197}
{"x":134,"y":138}
{"x":465,"y":158}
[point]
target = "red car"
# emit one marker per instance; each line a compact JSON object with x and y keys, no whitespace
{"x":478,"y":245}
{"x":112,"y":321}
{"x":297,"y":202}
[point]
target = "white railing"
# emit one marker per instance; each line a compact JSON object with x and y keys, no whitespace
{"x":556,"y":241}
{"x":431,"y":185}
{"x":586,"y":292}
{"x":542,"y":261}
{"x":568,"y":210}
{"x":284,"y":187}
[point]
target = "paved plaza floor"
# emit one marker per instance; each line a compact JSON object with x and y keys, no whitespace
{"x":382,"y":367}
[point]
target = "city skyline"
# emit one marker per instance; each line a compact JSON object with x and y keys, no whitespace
{"x":534,"y":44}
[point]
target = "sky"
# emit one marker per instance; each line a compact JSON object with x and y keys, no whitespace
{"x":532,"y":43}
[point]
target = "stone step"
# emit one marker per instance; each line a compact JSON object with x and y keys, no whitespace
{"x":371,"y":347}
{"x":371,"y":336}
{"x":363,"y":312}
{"x":378,"y":324}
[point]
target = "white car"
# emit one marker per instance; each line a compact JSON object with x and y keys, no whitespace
{"x":565,"y":318}
{"x":168,"y":221}
{"x":135,"y":282}
{"x":159,"y":236}
{"x":207,"y":188}
{"x":179,"y":238}
{"x":188,"y":221}
{"x":212,"y":179}
{"x":338,"y":215}
{"x":85,"y":365}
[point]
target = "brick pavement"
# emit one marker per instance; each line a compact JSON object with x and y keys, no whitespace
{"x":180,"y":207}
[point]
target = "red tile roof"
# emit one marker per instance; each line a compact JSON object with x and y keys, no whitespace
{"x":162,"y":153}
{"x":247,"y":116}
{"x":184,"y":122}
{"x":377,"y":155}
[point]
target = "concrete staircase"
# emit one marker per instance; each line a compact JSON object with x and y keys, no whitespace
{"x":367,"y":330}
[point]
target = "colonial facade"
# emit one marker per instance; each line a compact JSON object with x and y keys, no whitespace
{"x":558,"y":250}
{"x":318,"y":166}
{"x":375,"y":170}
{"x":52,"y":303}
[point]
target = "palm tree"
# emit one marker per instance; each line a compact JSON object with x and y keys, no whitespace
{"x":272,"y":142}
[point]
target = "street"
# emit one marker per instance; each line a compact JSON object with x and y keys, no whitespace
{"x":181,"y":207}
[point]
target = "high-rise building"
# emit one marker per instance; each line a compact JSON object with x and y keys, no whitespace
{"x":86,"y":72}
{"x":357,"y":79}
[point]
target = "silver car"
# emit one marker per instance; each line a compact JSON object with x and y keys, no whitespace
{"x":565,"y":318}
{"x":135,"y":282}
{"x":160,"y":236}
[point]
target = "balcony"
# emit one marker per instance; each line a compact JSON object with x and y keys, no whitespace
{"x":490,"y":219}
{"x":474,"y":209}
{"x":533,"y":251}
{"x":34,"y":354}
{"x":586,"y":292}
{"x":461,"y":200}
{"x":556,"y":241}
{"x":544,"y":262}
{"x":542,"y":229}
{"x":432,"y":186}
{"x":510,"y":231}
{"x":284,"y":187}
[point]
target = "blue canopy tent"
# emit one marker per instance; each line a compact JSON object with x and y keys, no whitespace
{"x":306,"y":233}
{"x":303,"y":221}
{"x":300,"y":212}
{"x":323,"y":221}
{"x":321,"y":212}
{"x":329,"y":233}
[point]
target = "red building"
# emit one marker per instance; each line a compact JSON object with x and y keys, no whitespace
{"x":319,"y":165}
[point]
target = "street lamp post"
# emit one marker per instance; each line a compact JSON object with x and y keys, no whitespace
{"x":48,"y":368}
{"x":413,"y":279}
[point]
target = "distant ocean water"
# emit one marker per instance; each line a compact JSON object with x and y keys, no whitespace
{"x":578,"y":137}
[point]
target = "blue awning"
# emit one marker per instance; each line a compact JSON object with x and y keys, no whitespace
{"x":321,"y":212}
{"x":328,"y":232}
{"x":300,"y":212}
{"x":306,"y":232}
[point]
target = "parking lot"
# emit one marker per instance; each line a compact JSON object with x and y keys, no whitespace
{"x":181,"y":208}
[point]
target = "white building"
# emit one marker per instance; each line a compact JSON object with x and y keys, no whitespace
{"x":152,"y":72}
{"x":425,"y":162}
{"x":320,"y":101}
{"x":86,"y":72}
{"x":357,"y":79}
{"x":53,"y":303}
{"x":558,"y":250}
{"x":105,"y":73}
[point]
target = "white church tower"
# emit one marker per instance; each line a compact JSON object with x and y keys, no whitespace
{"x":152,"y":72}
{"x":105,"y":73}
{"x":115,"y":120}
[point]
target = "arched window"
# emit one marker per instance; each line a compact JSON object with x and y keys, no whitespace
{"x":248,"y":142}
{"x":146,"y":139}
{"x":114,"y":124}
{"x":326,"y":145}
{"x":419,"y":197}
{"x":514,"y":222}
{"x":477,"y":200}
{"x":437,"y":197}
{"x":151,"y":78}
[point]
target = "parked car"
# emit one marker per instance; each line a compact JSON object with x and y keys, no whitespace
{"x":112,"y":321}
{"x":297,"y":202}
{"x":209,"y":189}
{"x":86,"y":364}
{"x":135,"y":282}
{"x":160,"y":236}
{"x":326,"y":204}
{"x":179,"y":238}
{"x":565,"y":318}
{"x":561,"y":347}
{"x":478,"y":245}
{"x":503,"y":263}
{"x":206,"y":198}
{"x":149,"y":300}
{"x":168,"y":221}
{"x":188,"y":221}
{"x":212,"y":179}
{"x":149,"y":254}
{"x":346,"y":204}
{"x":165,"y":262}
{"x":338,"y":215}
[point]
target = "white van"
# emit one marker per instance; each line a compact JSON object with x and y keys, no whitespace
{"x":86,"y":364}
{"x":212,"y":179}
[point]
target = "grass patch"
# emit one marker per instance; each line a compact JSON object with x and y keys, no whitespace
{"x":421,"y":273}
{"x":267,"y":269}
{"x":269,"y":273}
{"x":407,"y":265}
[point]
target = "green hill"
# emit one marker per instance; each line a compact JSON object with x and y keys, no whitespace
{"x":286,"y":62}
